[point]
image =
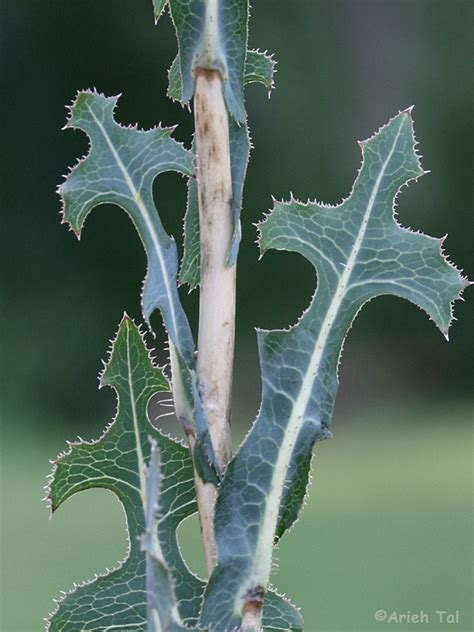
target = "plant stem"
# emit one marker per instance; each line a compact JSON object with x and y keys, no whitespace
{"x":205,"y":493}
{"x":218,"y":280}
{"x":252,"y":618}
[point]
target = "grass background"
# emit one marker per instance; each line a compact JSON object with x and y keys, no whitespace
{"x":388,"y":525}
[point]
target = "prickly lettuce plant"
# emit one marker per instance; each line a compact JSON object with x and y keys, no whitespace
{"x":359,"y":251}
{"x":152,"y":476}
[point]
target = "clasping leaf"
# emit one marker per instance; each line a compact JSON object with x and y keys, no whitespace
{"x":120,"y":169}
{"x":259,"y":68}
{"x":152,"y":476}
{"x":211,"y":34}
{"x":117,"y":462}
{"x":359,"y":252}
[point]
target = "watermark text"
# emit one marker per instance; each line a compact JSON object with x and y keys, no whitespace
{"x":422,"y":617}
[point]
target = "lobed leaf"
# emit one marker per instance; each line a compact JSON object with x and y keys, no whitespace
{"x":156,"y":499}
{"x":160,"y":593}
{"x":211,"y":34}
{"x":158,"y":7}
{"x":359,"y":252}
{"x":118,"y":599}
{"x":120,"y":169}
{"x":260,"y":67}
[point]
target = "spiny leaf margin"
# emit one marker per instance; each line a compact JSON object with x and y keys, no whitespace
{"x":358,"y":237}
{"x":120,"y":169}
{"x":215,"y":41}
{"x":260,"y":67}
{"x":116,"y":462}
{"x":176,"y":503}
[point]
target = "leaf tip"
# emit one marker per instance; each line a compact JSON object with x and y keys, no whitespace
{"x":77,"y":232}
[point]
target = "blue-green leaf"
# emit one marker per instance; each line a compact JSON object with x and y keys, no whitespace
{"x":118,"y":600}
{"x":120,"y":169}
{"x":359,"y":252}
{"x":160,"y":592}
{"x":212,"y":34}
{"x":260,"y":67}
{"x":280,"y":615}
{"x":124,"y":461}
{"x":158,"y":6}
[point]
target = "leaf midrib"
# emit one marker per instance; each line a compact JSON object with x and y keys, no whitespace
{"x":263,"y":554}
{"x":138,"y":446}
{"x":137,"y":198}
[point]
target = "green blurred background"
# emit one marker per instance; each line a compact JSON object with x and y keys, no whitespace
{"x":389,"y":522}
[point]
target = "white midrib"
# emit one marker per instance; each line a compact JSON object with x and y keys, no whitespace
{"x":156,"y":621}
{"x":138,"y":445}
{"x":210,"y":48}
{"x":135,"y":625}
{"x":260,"y":573}
{"x":146,"y":218}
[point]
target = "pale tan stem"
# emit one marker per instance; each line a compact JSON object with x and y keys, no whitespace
{"x":218,"y":283}
{"x":206,"y":499}
{"x":205,"y":492}
{"x":252,"y":611}
{"x":252,"y":619}
{"x":218,"y":280}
